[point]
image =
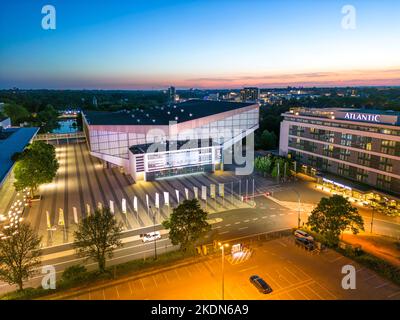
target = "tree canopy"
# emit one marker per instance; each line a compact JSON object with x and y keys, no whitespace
{"x":187,"y":224}
{"x":36,"y":165}
{"x":334,"y":215}
{"x":97,"y":237}
{"x":19,"y":254}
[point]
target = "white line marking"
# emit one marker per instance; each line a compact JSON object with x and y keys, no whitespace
{"x":223,"y":232}
{"x":237,"y":222}
{"x":243,"y":228}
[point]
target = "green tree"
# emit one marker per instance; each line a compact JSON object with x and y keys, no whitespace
{"x":187,"y":224}
{"x":36,"y":165}
{"x":268,"y":140}
{"x":19,"y":254}
{"x":47,"y":119}
{"x":16,"y":113}
{"x":97,"y":237}
{"x":334,"y":215}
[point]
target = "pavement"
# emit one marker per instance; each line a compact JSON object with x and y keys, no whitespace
{"x":293,"y":274}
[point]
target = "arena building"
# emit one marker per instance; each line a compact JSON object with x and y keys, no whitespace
{"x":169,"y":140}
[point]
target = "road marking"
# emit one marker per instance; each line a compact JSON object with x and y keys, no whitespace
{"x":281,"y":214}
{"x":130,"y":288}
{"x":237,"y":222}
{"x":217,"y":227}
{"x":264,"y":217}
{"x":272,"y":208}
{"x":272,"y":215}
{"x":246,"y":220}
{"x":393,"y":294}
{"x":223,"y":232}
{"x":243,"y":228}
{"x":382,"y":285}
{"x":254,"y":219}
{"x":290,"y":213}
{"x":247,"y":269}
{"x":283,"y":244}
{"x":228,"y":225}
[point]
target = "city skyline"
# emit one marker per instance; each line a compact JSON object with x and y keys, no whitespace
{"x":201,"y":44}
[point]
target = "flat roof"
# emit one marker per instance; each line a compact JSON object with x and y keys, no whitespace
{"x":162,"y":115}
{"x":14,"y":140}
{"x":173,"y":145}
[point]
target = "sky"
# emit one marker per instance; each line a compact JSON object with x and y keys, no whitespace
{"x":150,"y":44}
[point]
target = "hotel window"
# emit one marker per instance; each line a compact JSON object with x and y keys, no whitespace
{"x":362,"y":175}
{"x":385,"y":164}
{"x":344,"y":154}
{"x":364,"y":159}
{"x":383,"y":181}
{"x":346,"y":139}
{"x":343,"y":169}
{"x":388,"y":147}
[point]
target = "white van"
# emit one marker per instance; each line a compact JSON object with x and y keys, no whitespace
{"x":302,"y":234}
{"x":151,"y":236}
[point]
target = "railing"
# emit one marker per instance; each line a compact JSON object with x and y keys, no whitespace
{"x":60,"y":136}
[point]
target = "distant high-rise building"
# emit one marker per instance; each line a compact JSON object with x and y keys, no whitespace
{"x":249,"y":94}
{"x":171,"y":94}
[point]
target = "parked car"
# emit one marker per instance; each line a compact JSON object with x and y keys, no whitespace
{"x":151,"y":236}
{"x":260,"y":284}
{"x":303,"y":242}
{"x":302,"y":234}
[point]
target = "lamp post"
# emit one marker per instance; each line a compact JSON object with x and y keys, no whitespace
{"x":298,"y":208}
{"x":222,"y":247}
{"x":154,"y":230}
{"x":372,"y":218}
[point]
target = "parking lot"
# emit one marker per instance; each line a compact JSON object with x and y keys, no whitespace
{"x":293,"y":274}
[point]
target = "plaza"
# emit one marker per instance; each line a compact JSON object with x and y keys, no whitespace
{"x":82,"y":184}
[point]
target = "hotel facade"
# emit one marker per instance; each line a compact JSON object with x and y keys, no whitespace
{"x":358,"y":145}
{"x":169,"y":140}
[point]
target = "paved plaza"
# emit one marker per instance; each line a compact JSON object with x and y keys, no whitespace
{"x":82,"y":183}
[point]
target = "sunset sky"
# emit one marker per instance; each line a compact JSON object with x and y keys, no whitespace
{"x":203,"y":44}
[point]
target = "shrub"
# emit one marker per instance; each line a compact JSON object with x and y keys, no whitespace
{"x":74,"y":274}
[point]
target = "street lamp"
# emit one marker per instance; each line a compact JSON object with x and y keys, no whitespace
{"x":222,"y":247}
{"x":154,"y":232}
{"x":298,"y":209}
{"x":372,"y":218}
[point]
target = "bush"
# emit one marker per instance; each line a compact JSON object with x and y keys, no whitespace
{"x":74,"y":274}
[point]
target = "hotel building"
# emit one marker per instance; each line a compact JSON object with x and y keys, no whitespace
{"x":169,"y":140}
{"x":356,"y":144}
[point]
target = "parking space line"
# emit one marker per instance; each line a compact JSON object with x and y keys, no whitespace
{"x":223,"y":232}
{"x":141,"y":282}
{"x":228,"y":225}
{"x":238,"y":222}
{"x":272,"y":215}
{"x":393,"y":294}
{"x":326,"y":290}
{"x":246,"y":220}
{"x":316,"y":293}
{"x":217,"y":227}
{"x":292,"y":273}
{"x":301,"y":293}
{"x":264,"y":217}
{"x":382,"y":285}
{"x":130,"y":288}
{"x":254,"y":219}
{"x":243,"y":228}
{"x":116,"y":289}
{"x":104,"y":294}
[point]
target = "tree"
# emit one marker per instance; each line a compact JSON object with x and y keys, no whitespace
{"x":98,"y":236}
{"x":19,"y":254}
{"x":187,"y":224}
{"x":48,"y":119}
{"x":36,"y":165}
{"x":268,"y":140}
{"x":334,"y":215}
{"x":17,"y":113}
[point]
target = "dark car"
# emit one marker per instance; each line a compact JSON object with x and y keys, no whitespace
{"x":260,"y":284}
{"x":303,"y":242}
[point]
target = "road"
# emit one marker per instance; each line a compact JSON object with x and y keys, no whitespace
{"x":266,"y":216}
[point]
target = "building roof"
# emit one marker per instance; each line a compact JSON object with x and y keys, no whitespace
{"x":172,"y":146}
{"x":161,"y":115}
{"x":13,"y":140}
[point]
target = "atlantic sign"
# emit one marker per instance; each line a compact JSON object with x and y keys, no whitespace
{"x":367,"y":117}
{"x":363,"y":117}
